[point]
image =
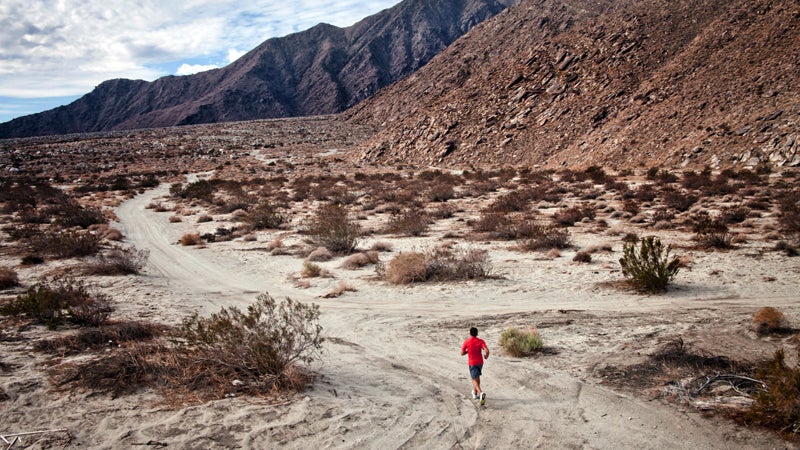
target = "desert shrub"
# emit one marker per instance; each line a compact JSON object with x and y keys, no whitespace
{"x":72,"y":215}
{"x":582,"y":257}
{"x":778,"y":405}
{"x":204,"y":218}
{"x":769,"y":320}
{"x":67,"y":244}
{"x":406,"y":268}
{"x":8,"y":278}
{"x":440,"y":264}
{"x":514,"y":201}
{"x":409,"y":223}
{"x":101,"y":337}
{"x":645,"y":193}
{"x":119,"y":261}
{"x":332,"y":228}
{"x":790,"y":214}
{"x":734,"y":214}
{"x":31,"y":260}
{"x":191,"y":239}
{"x":441,"y":192}
{"x":264,"y":216}
{"x":521,"y":343}
{"x":262,"y":344}
{"x":678,"y":200}
{"x":663,"y":215}
{"x":711,"y":232}
{"x":787,"y":249}
{"x":382,"y":246}
{"x":569,"y":216}
{"x":631,"y":206}
{"x":545,"y":237}
{"x":175,"y":219}
{"x":648,"y":266}
{"x":59,"y":301}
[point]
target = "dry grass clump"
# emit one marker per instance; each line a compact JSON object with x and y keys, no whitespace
{"x":768,"y":320}
{"x":340,"y":288}
{"x":175,"y":219}
{"x":119,"y":261}
{"x":204,"y":218}
{"x":311,"y":270}
{"x":8,"y":278}
{"x":189,"y":239}
{"x":359,"y":260}
{"x":439,"y":264}
{"x":320,"y":254}
{"x":519,"y":343}
{"x":113,"y":235}
{"x":254,"y":352}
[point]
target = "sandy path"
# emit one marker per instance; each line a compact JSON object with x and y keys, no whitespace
{"x":391,"y":376}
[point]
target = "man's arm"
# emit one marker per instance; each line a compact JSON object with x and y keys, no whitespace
{"x":486,"y":352}
{"x":463,"y":350}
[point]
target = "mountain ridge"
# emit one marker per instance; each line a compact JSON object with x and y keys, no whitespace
{"x":322,"y":70}
{"x":611,"y":83}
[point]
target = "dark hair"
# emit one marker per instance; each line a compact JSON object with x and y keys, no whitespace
{"x":473,"y":331}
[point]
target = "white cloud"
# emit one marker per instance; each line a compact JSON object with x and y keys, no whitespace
{"x":66,"y":47}
{"x":188,"y":69}
{"x":234,"y":54}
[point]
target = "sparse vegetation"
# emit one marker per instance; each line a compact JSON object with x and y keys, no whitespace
{"x":648,"y":266}
{"x":520,"y":343}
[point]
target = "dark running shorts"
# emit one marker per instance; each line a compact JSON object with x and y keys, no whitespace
{"x":475,"y":371}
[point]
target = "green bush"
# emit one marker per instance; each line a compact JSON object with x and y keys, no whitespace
{"x":262,"y":344}
{"x":648,"y":267}
{"x":521,"y":343}
{"x":66,"y":244}
{"x":332,"y":228}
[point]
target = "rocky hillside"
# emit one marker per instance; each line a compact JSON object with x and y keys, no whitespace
{"x":322,"y":70}
{"x":617,"y":83}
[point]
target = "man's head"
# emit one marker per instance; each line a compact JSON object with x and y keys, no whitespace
{"x":473,"y":331}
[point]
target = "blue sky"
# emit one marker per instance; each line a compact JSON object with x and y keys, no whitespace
{"x":54,"y":51}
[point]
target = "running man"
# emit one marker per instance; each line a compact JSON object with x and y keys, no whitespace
{"x":477,"y":351}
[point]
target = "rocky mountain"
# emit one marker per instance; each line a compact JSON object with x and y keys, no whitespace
{"x":616,"y":83}
{"x":322,"y":70}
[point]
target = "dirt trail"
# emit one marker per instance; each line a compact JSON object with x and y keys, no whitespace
{"x":391,"y":376}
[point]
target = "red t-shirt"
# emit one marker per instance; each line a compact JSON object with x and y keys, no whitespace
{"x":473,"y":345}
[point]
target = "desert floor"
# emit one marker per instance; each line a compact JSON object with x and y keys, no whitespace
{"x":391,"y":376}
